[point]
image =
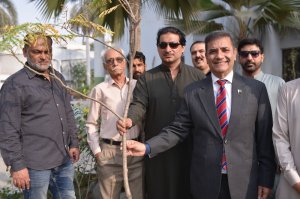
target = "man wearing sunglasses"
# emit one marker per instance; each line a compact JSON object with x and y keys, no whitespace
{"x":156,"y":98}
{"x":103,"y":137}
{"x":251,"y":57}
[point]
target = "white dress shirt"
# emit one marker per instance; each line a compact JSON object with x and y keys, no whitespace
{"x":101,"y":123}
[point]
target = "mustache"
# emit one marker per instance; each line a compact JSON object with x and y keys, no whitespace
{"x":201,"y":58}
{"x":227,"y":60}
{"x":116,"y":68}
{"x":250,"y":62}
{"x":36,"y":66}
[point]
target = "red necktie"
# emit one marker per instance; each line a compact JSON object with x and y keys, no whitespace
{"x":222,"y":115}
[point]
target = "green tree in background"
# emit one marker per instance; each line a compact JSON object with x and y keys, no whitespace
{"x":119,"y":19}
{"x":78,"y":73}
{"x":8,"y":13}
{"x":244,"y":18}
{"x":200,"y":17}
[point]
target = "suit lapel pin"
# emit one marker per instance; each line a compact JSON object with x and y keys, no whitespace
{"x":239,"y":91}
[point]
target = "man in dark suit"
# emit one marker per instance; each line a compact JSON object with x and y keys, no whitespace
{"x":231,"y":122}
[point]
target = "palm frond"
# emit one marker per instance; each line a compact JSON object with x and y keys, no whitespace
{"x":196,"y":27}
{"x":50,"y":8}
{"x":8,"y":13}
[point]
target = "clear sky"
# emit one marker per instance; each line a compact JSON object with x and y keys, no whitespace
{"x":150,"y":24}
{"x":27,"y":12}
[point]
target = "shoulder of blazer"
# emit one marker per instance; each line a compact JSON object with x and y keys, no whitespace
{"x":247,"y":81}
{"x":250,"y":85}
{"x":200,"y":84}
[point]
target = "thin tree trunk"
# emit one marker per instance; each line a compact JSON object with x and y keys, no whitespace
{"x":134,"y":32}
{"x":88,"y":62}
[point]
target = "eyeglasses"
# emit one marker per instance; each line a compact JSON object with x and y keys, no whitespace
{"x":163,"y":45}
{"x":112,"y":60}
{"x":253,"y":53}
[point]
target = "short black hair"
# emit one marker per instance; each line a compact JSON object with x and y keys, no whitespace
{"x":250,"y":41}
{"x":30,"y":37}
{"x":138,"y":55}
{"x":217,"y":35}
{"x":196,"y":42}
{"x":170,"y":29}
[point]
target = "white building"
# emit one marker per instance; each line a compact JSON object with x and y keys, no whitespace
{"x":64,"y":57}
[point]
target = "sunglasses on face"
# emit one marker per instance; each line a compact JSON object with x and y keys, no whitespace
{"x":112,"y":60}
{"x":163,"y":45}
{"x":253,"y":53}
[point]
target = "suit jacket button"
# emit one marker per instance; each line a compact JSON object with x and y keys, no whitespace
{"x":225,"y":141}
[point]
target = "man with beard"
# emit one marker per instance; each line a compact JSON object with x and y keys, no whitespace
{"x":251,"y":57}
{"x":103,"y":137}
{"x":197,"y":50}
{"x":37,"y":126}
{"x":156,"y":98}
{"x":138,"y":65}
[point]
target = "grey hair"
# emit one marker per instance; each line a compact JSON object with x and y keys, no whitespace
{"x":217,"y":35}
{"x":103,"y":54}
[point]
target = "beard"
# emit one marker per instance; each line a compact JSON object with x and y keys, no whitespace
{"x":136,"y":75}
{"x":38,"y":67}
{"x":249,"y":66}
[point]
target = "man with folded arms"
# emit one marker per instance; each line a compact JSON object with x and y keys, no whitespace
{"x":103,"y":137}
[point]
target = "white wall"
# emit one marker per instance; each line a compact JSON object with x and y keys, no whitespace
{"x":9,"y":64}
{"x":62,"y":59}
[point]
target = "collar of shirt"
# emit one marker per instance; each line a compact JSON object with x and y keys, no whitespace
{"x":32,"y":74}
{"x":229,"y":78}
{"x":110,"y":81}
{"x":166,"y":68}
{"x":259,"y":76}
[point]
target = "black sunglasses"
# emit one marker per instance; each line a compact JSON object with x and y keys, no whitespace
{"x":253,"y":53}
{"x":163,"y":45}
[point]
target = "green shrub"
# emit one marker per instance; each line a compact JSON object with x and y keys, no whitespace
{"x":85,"y":173}
{"x":10,"y":193}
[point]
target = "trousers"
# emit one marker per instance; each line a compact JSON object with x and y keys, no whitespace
{"x":59,"y":180}
{"x":110,"y":173}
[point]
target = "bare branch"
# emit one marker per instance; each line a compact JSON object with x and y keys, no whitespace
{"x":52,"y":74}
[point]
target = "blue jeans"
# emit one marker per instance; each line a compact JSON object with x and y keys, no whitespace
{"x":59,"y":180}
